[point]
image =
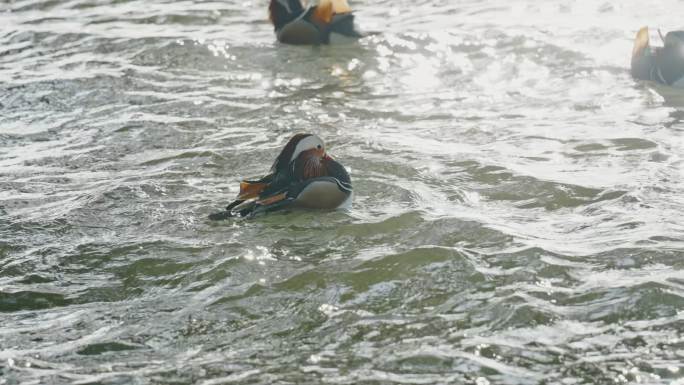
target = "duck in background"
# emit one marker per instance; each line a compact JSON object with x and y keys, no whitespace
{"x":665,"y":64}
{"x":311,"y":25}
{"x":303,"y":175}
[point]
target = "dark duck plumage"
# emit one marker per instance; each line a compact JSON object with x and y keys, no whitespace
{"x":311,"y":25}
{"x":303,"y":175}
{"x":665,"y":64}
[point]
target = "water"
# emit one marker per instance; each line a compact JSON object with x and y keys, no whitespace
{"x":517,"y":212}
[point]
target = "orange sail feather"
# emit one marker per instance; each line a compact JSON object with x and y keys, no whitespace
{"x":326,"y":9}
{"x":249,"y":190}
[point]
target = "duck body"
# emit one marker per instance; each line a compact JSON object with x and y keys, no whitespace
{"x":302,"y":176}
{"x":664,"y":64}
{"x":313,"y":25}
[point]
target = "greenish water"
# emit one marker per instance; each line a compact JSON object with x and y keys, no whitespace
{"x":517,"y":215}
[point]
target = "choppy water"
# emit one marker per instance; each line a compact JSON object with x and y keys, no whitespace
{"x":517,"y":218}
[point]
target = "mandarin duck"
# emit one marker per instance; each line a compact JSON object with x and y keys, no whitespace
{"x":664,"y":64}
{"x":303,"y":175}
{"x":311,"y":25}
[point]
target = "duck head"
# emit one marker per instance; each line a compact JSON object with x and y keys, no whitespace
{"x":300,"y":148}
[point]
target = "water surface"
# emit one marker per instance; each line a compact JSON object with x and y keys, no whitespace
{"x":517,"y":215}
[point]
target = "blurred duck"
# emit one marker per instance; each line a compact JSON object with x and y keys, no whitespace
{"x":311,"y":25}
{"x":659,"y":64}
{"x":303,"y":175}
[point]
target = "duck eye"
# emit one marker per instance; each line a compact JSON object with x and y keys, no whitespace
{"x":318,"y":147}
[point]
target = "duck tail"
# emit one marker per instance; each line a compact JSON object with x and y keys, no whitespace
{"x":278,"y":202}
{"x":344,"y":25}
{"x":227,"y":213}
{"x":237,"y":208}
{"x":246,"y":199}
{"x":221,"y":215}
{"x":256,"y":207}
{"x":241,"y":209}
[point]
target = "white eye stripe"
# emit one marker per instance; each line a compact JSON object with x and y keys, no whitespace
{"x":308,"y":143}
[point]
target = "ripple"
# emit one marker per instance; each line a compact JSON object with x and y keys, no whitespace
{"x":516,"y":197}
{"x":28,"y":300}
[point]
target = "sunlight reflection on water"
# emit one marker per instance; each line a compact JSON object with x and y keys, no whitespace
{"x":515,"y":218}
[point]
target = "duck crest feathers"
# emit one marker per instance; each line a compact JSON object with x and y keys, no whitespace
{"x":282,"y":162}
